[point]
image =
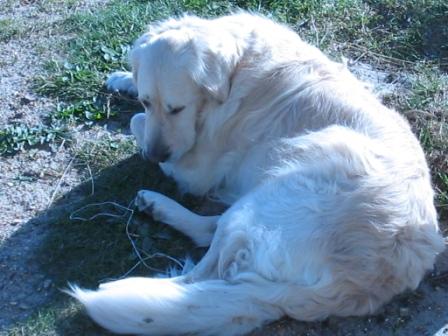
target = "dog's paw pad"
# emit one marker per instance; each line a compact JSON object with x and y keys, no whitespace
{"x":143,"y":202}
{"x":147,"y":201}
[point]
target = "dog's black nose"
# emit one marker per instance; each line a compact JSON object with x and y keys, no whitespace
{"x":158,"y":154}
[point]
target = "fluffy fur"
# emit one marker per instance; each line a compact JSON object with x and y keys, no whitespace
{"x":331,"y":205}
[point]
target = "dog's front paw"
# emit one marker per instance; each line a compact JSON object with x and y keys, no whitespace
{"x":154,"y":204}
{"x":121,"y":81}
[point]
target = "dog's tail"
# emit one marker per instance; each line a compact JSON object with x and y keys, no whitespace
{"x":172,"y":306}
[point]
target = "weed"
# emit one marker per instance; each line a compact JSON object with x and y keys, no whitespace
{"x":425,"y":104}
{"x":17,"y":137}
{"x":10,"y":29}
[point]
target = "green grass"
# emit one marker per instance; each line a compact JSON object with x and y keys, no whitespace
{"x":63,"y":318}
{"x":383,"y":32}
{"x":10,"y":29}
{"x":17,"y":137}
{"x":405,"y":38}
{"x":98,"y":154}
{"x":426,"y":106}
{"x":400,"y":36}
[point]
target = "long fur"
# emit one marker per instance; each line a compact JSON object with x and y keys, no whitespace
{"x":331,"y":205}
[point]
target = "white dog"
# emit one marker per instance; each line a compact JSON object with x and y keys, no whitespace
{"x":331,"y":202}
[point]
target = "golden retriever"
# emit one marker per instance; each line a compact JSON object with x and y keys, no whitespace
{"x":331,"y":205}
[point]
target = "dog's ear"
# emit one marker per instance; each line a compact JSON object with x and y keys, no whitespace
{"x":211,"y":55}
{"x":212,"y":71}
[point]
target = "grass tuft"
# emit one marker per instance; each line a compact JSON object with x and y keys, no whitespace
{"x":17,"y":137}
{"x":10,"y":29}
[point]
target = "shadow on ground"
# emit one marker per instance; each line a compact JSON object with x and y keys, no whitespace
{"x":94,"y":247}
{"x":91,"y":247}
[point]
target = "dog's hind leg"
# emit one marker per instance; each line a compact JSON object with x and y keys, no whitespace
{"x":199,"y":228}
{"x":122,"y":82}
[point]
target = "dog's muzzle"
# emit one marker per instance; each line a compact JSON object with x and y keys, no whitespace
{"x":160,"y":153}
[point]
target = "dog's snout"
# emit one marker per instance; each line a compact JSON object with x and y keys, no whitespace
{"x":158,"y":154}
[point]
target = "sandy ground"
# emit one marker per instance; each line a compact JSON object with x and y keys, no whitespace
{"x":31,"y":181}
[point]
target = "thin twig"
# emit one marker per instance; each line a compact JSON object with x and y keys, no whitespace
{"x":162,"y":255}
{"x":439,"y":277}
{"x":134,"y":246}
{"x":107,"y":214}
{"x":92,"y":192}
{"x":390,"y":59}
{"x":58,"y":186}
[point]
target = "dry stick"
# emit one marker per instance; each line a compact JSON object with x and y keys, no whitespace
{"x":61,"y":145}
{"x":58,"y":186}
{"x":131,"y":240}
{"x":162,"y":255}
{"x":74,"y":216}
{"x":439,"y":277}
{"x":91,"y":180}
{"x":137,"y":250}
{"x":390,"y":59}
{"x":131,"y":270}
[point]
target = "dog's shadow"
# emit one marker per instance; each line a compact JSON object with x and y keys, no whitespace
{"x":89,"y":238}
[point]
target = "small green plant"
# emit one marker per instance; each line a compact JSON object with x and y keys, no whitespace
{"x":9,"y":29}
{"x":442,"y":195}
{"x":17,"y":137}
{"x":87,"y":111}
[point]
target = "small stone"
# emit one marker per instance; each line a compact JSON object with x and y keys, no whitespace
{"x":15,"y":222}
{"x":404,"y":312}
{"x":47,"y":283}
{"x":26,"y":99}
{"x":24,"y":306}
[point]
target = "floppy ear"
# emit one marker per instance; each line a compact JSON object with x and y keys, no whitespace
{"x":134,"y":55}
{"x":213,"y":69}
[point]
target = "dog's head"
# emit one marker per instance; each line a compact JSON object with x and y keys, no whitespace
{"x":178,"y":68}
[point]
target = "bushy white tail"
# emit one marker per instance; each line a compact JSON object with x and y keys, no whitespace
{"x":170,"y":306}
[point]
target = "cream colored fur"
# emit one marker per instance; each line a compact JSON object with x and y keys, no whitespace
{"x":331,"y":205}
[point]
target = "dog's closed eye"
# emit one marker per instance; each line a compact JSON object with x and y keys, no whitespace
{"x":176,"y":110}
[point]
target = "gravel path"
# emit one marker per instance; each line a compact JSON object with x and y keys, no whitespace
{"x":30,"y":181}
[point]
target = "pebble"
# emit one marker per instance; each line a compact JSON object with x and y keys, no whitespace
{"x":404,"y":312}
{"x":26,"y":99}
{"x":16,"y":222}
{"x":47,"y":283}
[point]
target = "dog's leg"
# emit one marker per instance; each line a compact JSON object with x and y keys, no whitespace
{"x":199,"y":228}
{"x":121,"y":81}
{"x":138,"y":123}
